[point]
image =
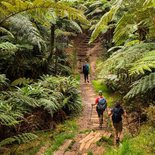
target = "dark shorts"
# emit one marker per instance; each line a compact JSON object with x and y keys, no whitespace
{"x":118,"y":126}
{"x":99,"y":112}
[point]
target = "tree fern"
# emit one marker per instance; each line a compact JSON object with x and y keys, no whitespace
{"x":123,"y":58}
{"x":142,"y":86}
{"x":11,"y":8}
{"x":102,"y":25}
{"x":147,"y":63}
{"x":136,"y":15}
{"x":25,"y":30}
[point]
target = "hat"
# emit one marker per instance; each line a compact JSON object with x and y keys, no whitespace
{"x":100,"y":92}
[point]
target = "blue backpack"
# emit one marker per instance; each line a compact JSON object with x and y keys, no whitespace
{"x":117,"y":114}
{"x":102,"y":104}
{"x":86,"y":68}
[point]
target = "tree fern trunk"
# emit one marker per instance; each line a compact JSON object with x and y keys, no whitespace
{"x":52,"y":39}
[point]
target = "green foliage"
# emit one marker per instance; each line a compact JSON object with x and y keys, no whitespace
{"x":122,"y":59}
{"x":21,"y":81}
{"x":7,"y":48}
{"x":134,"y":21}
{"x":102,"y":24}
{"x":147,"y":63}
{"x":3,"y":80}
{"x":142,"y":86}
{"x":28,"y":33}
{"x":8,"y":115}
{"x":140,"y":145}
{"x":49,"y":93}
{"x":23,"y":138}
{"x":11,"y":8}
{"x":53,"y":93}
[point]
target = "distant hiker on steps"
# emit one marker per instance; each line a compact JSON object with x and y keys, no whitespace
{"x":116,"y":114}
{"x":101,"y":105}
{"x":86,"y":70}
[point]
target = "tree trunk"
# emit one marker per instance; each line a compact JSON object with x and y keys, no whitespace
{"x":56,"y":60}
{"x":52,"y":39}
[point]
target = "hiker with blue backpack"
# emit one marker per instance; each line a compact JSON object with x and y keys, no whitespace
{"x":101,"y":105}
{"x":86,"y":70}
{"x":117,"y":112}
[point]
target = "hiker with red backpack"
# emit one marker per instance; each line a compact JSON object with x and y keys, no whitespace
{"x":86,"y":69}
{"x":117,"y":112}
{"x":101,"y":105}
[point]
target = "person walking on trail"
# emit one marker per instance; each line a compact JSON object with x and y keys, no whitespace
{"x":86,"y":70}
{"x":116,"y":114}
{"x":101,"y":105}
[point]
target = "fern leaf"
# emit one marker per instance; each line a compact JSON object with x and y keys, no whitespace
{"x":23,"y":138}
{"x":147,"y":63}
{"x":142,"y":86}
{"x":17,"y":6}
{"x":21,"y":81}
{"x":102,"y":25}
{"x":5,"y":31}
{"x":7,"y":48}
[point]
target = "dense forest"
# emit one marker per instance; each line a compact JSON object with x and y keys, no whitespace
{"x":39,"y":80}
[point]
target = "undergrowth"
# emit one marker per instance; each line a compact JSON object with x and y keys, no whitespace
{"x":143,"y":144}
{"x":51,"y":140}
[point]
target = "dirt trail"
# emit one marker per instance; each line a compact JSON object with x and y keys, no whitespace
{"x":86,"y":140}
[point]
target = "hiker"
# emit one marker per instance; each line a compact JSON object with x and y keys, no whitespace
{"x":116,"y":114}
{"x":101,"y":105}
{"x":86,"y":69}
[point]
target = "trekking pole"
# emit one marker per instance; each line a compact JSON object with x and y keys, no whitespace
{"x":108,"y":121}
{"x":91,"y":112}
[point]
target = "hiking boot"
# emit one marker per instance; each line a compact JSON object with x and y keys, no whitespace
{"x":100,"y":126}
{"x":117,"y":141}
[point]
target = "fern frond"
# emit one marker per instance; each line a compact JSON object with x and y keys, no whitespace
{"x":23,"y":99}
{"x":11,"y":8}
{"x":21,"y":81}
{"x":26,"y":30}
{"x":6,"y":34}
{"x":123,"y":58}
{"x":136,"y":15}
{"x":123,"y":30}
{"x":3,"y":80}
{"x":8,"y":116}
{"x":147,"y":63}
{"x":22,"y":138}
{"x":7,"y":48}
{"x":75,"y":26}
{"x":142,"y":86}
{"x":60,"y":33}
{"x":102,"y":25}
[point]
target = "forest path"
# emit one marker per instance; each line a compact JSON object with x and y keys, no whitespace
{"x":89,"y":133}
